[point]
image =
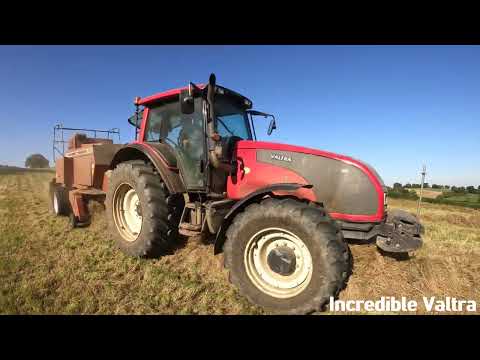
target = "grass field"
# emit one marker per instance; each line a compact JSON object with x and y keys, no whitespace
{"x":429,"y":193}
{"x":46,"y":268}
{"x":465,"y":198}
{"x":433,"y":193}
{"x":455,"y":199}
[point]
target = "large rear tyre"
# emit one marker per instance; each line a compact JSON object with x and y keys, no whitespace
{"x":142,"y":216}
{"x":286,"y":256}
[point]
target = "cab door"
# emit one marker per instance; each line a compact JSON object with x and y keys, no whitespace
{"x":184,"y":135}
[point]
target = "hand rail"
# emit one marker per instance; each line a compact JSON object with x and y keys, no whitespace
{"x":58,"y":137}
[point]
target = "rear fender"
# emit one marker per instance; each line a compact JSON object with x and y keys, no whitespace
{"x":275,"y":189}
{"x":168,"y":172}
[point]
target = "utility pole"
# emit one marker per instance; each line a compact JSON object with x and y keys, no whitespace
{"x":424,"y":171}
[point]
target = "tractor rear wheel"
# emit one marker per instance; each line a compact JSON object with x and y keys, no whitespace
{"x":141,"y":217}
{"x":59,"y":203}
{"x":286,"y":256}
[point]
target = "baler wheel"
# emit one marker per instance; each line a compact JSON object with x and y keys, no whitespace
{"x":59,"y":204}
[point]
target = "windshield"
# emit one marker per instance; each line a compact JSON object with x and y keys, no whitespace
{"x":232,"y":119}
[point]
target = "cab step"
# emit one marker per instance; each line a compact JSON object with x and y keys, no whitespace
{"x":189,"y":229}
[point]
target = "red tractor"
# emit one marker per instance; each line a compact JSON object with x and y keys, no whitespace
{"x":280,"y":213}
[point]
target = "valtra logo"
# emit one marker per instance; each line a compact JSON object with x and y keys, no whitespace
{"x":281,"y":157}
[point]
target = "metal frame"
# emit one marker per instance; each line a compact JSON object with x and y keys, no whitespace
{"x":59,"y":138}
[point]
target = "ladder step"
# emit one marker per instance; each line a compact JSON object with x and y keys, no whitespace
{"x":186,"y":232}
{"x":188,"y":226}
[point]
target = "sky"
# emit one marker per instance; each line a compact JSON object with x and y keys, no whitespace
{"x":394,"y":107}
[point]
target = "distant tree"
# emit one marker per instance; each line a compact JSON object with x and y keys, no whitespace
{"x":446,"y":186}
{"x":436,"y":186}
{"x":397,"y":185}
{"x":425,"y":185}
{"x":471,"y":189}
{"x":36,"y":161}
{"x":408,"y":186}
{"x":402,"y":193}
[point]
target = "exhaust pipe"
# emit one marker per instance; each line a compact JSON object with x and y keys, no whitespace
{"x":213,"y":136}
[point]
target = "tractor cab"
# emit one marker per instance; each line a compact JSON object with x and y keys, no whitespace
{"x":200,"y":128}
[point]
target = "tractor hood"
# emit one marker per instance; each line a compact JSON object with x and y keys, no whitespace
{"x":350,"y":189}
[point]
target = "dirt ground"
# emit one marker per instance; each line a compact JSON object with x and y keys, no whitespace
{"x":46,"y":268}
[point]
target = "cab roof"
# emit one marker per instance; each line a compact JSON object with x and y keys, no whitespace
{"x":165,"y":95}
{"x":171,"y":94}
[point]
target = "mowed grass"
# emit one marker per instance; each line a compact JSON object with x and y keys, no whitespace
{"x":448,"y":264}
{"x":46,"y":268}
{"x":429,"y":193}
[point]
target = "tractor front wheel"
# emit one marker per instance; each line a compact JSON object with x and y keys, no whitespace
{"x":286,"y":256}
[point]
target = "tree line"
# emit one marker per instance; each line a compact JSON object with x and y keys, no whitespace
{"x":453,"y":195}
{"x":456,"y":189}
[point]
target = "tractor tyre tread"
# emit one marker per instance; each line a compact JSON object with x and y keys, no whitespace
{"x":324,"y":240}
{"x":158,"y":234}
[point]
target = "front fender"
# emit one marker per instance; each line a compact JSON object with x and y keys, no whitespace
{"x":160,"y":159}
{"x":251,"y":198}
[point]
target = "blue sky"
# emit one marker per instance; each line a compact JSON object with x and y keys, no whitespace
{"x":395,"y":107}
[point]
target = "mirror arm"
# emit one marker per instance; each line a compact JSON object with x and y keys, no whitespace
{"x":265,"y":115}
{"x":192,"y":86}
{"x":136,"y":121}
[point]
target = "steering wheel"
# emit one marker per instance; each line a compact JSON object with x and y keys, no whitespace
{"x":171,"y":141}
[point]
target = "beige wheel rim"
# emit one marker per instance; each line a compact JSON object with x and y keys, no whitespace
{"x":55,"y":203}
{"x":127,"y":212}
{"x":278,"y":263}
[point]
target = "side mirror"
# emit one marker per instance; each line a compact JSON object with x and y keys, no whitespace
{"x":187,"y":104}
{"x":272,"y":126}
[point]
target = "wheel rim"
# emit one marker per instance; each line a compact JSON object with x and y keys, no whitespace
{"x":278,"y":263}
{"x":55,"y":203}
{"x":127,"y":212}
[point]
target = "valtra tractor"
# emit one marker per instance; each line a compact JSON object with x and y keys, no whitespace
{"x":281,"y":214}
